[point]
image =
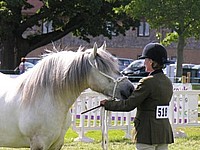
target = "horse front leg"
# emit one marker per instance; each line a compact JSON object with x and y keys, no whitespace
{"x":60,"y":141}
{"x":58,"y":145}
{"x":37,"y":143}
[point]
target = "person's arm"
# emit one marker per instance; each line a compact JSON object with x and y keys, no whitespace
{"x":138,"y":96}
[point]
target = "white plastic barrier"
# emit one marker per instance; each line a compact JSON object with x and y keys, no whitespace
{"x":183,"y":112}
{"x":91,"y":120}
{"x":184,"y":108}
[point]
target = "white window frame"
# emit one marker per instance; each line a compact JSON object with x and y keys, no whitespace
{"x":143,"y":29}
{"x":47,"y":27}
{"x":109,"y":24}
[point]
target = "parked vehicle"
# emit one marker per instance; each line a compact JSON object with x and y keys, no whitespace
{"x":29,"y":62}
{"x":189,"y":66}
{"x":135,"y":71}
{"x":198,"y":71}
{"x":193,"y":69}
{"x":196,"y":67}
{"x":124,"y":62}
{"x":33,"y":60}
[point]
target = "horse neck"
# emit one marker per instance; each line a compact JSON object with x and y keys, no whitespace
{"x":76,"y":78}
{"x":63,"y":86}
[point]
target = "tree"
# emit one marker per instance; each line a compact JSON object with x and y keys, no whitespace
{"x":180,"y":16}
{"x":83,"y":18}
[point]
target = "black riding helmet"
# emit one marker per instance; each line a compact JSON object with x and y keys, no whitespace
{"x":156,"y":52}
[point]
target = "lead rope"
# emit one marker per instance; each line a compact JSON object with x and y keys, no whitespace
{"x":105,"y":115}
{"x":104,"y":128}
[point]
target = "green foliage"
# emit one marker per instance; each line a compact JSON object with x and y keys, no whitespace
{"x":170,"y":37}
{"x":179,"y":16}
{"x":83,"y":18}
{"x":71,"y":16}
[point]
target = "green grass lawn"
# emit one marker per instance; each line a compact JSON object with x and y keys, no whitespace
{"x":117,"y":142}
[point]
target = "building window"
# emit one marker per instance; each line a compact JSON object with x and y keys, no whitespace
{"x":47,"y":27}
{"x":143,"y":29}
{"x":111,"y":29}
{"x":174,"y":58}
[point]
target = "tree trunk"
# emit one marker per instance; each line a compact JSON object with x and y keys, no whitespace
{"x":8,"y":53}
{"x":180,"y":48}
{"x":22,"y":49}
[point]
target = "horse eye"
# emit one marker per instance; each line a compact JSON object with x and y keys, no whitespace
{"x":110,"y":80}
{"x":119,"y":73}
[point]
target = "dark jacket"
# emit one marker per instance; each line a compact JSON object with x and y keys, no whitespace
{"x":152,"y":91}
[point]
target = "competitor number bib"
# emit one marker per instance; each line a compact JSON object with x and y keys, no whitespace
{"x":162,"y":112}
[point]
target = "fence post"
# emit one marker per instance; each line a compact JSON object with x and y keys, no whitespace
{"x":81,"y":134}
{"x":128,"y":125}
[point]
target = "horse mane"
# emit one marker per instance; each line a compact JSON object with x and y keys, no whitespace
{"x":62,"y":74}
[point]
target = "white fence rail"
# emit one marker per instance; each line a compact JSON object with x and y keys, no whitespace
{"x":184,"y":108}
{"x":183,"y":112}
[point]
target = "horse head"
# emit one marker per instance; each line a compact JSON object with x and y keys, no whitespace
{"x":105,"y":76}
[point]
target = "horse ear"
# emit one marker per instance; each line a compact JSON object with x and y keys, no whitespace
{"x":94,"y":53}
{"x":103,"y":47}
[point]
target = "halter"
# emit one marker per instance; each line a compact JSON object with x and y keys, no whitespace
{"x":105,"y":114}
{"x":116,"y":81}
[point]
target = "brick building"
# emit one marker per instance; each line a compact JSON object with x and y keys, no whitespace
{"x":129,"y":46}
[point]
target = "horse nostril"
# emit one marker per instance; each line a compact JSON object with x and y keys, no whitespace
{"x":131,"y":90}
{"x":126,"y":93}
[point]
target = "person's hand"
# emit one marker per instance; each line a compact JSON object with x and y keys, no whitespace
{"x":102,"y":103}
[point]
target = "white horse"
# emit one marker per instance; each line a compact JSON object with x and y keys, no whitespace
{"x":34,"y":107}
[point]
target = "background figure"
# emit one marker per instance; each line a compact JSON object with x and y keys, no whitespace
{"x":22,"y":67}
{"x":152,"y":96}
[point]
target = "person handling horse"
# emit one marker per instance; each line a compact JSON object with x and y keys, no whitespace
{"x":151,"y":98}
